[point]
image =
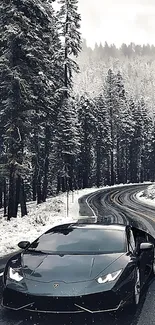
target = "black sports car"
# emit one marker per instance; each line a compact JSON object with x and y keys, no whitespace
{"x":79,"y":267}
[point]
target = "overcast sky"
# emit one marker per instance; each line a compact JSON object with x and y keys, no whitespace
{"x":118,"y":21}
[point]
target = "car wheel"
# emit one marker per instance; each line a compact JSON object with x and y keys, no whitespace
{"x":137,"y":290}
{"x":153,"y":265}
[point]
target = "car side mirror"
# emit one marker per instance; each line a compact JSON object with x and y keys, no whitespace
{"x":146,"y":246}
{"x":23,"y":244}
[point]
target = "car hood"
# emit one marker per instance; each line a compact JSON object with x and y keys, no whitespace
{"x":68,"y":268}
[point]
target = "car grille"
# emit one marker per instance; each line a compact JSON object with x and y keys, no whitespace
{"x":93,"y":302}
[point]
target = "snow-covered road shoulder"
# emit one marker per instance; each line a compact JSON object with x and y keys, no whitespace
{"x":40,"y":218}
{"x":147,"y":196}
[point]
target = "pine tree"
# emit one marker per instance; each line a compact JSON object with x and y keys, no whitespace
{"x":102,"y":141}
{"x":136,"y":144}
{"x":147,"y":137}
{"x":87,"y":123}
{"x":67,"y":145}
{"x":69,"y":25}
{"x":29,"y":68}
{"x":124,"y":124}
{"x":152,"y":155}
{"x":3,"y":174}
{"x":126,"y":131}
{"x":111,"y":99}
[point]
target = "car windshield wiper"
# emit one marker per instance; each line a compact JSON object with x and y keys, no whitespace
{"x":37,"y":251}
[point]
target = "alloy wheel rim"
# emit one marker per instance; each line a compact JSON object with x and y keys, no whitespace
{"x":154,"y":263}
{"x":154,"y":267}
{"x":137,"y":287}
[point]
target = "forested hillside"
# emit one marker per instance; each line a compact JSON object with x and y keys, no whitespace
{"x":135,"y":62}
{"x":61,"y":127}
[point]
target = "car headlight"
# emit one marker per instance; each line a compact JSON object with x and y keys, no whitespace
{"x":15,"y":274}
{"x":109,"y":277}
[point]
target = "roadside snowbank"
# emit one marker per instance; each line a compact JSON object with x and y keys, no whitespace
{"x":147,"y":196}
{"x":39,"y":219}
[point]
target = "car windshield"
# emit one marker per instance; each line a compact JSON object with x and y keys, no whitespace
{"x":83,"y":241}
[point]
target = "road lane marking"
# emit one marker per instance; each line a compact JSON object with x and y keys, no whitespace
{"x":91,"y":196}
{"x":114,"y":199}
{"x":139,"y":215}
{"x":133,"y":212}
{"x":1,"y":274}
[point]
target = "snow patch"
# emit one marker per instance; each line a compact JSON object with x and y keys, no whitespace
{"x":148,"y":195}
{"x":40,"y":218}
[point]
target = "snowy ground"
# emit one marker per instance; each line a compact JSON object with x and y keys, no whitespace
{"x":147,"y":196}
{"x":39,"y":219}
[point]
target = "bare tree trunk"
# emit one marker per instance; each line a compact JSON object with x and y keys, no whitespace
{"x":98,"y":165}
{"x":46,"y":163}
{"x":18,"y":181}
{"x":1,"y":197}
{"x":119,"y":177}
{"x":5,"y":197}
{"x":66,"y":57}
{"x":108,"y":177}
{"x":112,"y":148}
{"x":58,"y":184}
{"x":39,"y":196}
{"x":126,"y":161}
{"x":34,"y":185}
{"x":70,"y":177}
{"x":63,"y":184}
{"x":45,"y":180}
{"x":112,"y":168}
{"x":23,"y":199}
{"x":12,"y":194}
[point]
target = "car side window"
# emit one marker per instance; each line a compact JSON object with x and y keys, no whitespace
{"x":131,"y":241}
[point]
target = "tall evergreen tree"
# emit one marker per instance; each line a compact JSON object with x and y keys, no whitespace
{"x":87,"y":123}
{"x":152,"y":155}
{"x":124,"y":124}
{"x":111,"y":97}
{"x":67,"y":141}
{"x":29,"y":68}
{"x":136,"y":143}
{"x":102,"y":141}
{"x":69,"y":25}
{"x":147,"y":140}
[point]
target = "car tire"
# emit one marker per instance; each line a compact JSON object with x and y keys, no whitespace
{"x":137,"y":289}
{"x":153,"y":265}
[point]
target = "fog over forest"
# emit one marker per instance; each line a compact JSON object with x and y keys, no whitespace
{"x":135,"y":62}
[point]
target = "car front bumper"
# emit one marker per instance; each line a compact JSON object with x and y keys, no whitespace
{"x":92,"y":303}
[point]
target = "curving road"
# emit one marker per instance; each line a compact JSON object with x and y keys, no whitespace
{"x":120,"y":205}
{"x":113,"y":205}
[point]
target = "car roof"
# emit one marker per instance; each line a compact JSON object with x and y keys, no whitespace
{"x":94,"y":226}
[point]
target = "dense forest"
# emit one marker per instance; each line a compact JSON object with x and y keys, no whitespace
{"x":136,"y":64}
{"x":70,"y":117}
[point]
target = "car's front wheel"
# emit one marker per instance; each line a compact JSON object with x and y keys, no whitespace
{"x":153,"y":265}
{"x":137,"y":291}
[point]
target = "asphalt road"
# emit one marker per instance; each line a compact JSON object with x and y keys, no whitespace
{"x":113,"y":205}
